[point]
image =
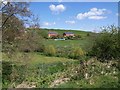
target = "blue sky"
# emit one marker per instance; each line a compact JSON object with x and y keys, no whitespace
{"x":76,"y":15}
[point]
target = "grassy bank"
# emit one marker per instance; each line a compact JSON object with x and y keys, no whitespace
{"x":43,"y":71}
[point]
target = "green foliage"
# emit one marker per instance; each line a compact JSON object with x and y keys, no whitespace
{"x":12,"y":30}
{"x":12,"y":73}
{"x":77,"y":37}
{"x":96,"y":82}
{"x":107,"y":82}
{"x":6,"y":71}
{"x":50,"y":50}
{"x":100,"y":75}
{"x":43,"y":71}
{"x":54,"y":37}
{"x":32,"y":42}
{"x":77,"y":53}
{"x":43,"y":33}
{"x":69,"y":38}
{"x":63,"y":51}
{"x":88,"y":34}
{"x":15,"y":37}
{"x":107,"y":45}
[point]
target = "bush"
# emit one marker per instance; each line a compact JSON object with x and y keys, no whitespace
{"x":6,"y":71}
{"x":88,"y":34}
{"x":78,"y":37}
{"x":107,"y":46}
{"x":50,"y":50}
{"x":54,"y":37}
{"x":77,"y":53}
{"x":32,"y":42}
{"x":69,"y":38}
{"x":43,"y":33}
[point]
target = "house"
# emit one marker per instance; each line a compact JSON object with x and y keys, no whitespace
{"x":52,"y":34}
{"x":67,"y":34}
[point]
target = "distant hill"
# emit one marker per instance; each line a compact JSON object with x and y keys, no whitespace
{"x":44,"y":32}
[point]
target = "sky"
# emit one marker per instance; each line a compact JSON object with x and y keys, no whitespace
{"x":87,"y":16}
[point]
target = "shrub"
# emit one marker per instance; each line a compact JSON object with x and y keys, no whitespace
{"x":78,"y":37}
{"x":6,"y":73}
{"x":54,"y":37}
{"x":69,"y":38}
{"x":31,"y":41}
{"x":77,"y":53}
{"x":88,"y":34}
{"x":107,"y":46}
{"x":50,"y":50}
{"x":43,"y":33}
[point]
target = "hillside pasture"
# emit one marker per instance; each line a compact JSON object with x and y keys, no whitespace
{"x":83,"y":43}
{"x":60,"y":31}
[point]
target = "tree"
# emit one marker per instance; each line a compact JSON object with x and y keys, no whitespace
{"x":14,"y":9}
{"x":12,"y":23}
{"x":107,"y":44}
{"x":12,"y":28}
{"x":11,"y":33}
{"x":15,"y":15}
{"x":35,"y":22}
{"x":31,"y":41}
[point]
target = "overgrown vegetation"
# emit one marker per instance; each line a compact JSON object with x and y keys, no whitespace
{"x":50,"y":50}
{"x":42,"y":73}
{"x":77,"y":53}
{"x":107,"y":45}
{"x":30,"y":59}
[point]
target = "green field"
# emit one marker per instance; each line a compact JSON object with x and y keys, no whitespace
{"x":84,"y":42}
{"x":60,"y":31}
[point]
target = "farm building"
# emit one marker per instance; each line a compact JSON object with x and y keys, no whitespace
{"x":52,"y":34}
{"x":67,"y":34}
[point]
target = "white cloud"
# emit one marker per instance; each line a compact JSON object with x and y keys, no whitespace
{"x":49,"y":23}
{"x":58,"y":8}
{"x":97,"y":17}
{"x":70,"y":22}
{"x":94,"y":13}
